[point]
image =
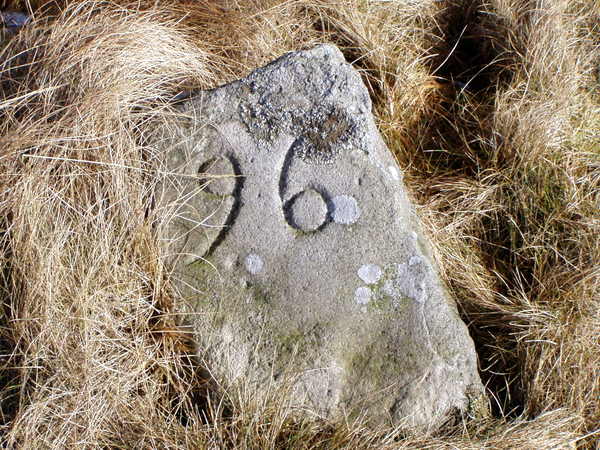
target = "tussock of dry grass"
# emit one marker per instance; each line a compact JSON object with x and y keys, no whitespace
{"x":87,"y":298}
{"x":493,"y":111}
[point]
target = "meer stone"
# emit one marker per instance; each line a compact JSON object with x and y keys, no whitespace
{"x":295,"y":242}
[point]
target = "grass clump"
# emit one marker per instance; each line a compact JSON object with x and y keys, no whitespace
{"x":86,"y":302}
{"x":492,"y":109}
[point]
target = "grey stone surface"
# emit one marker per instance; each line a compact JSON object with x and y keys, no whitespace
{"x":13,"y":19}
{"x":293,"y":239}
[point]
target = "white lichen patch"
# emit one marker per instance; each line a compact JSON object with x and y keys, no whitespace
{"x":415,"y":260}
{"x":370,"y":273}
{"x":388,"y":289}
{"x":363,"y":295}
{"x":345,"y":209}
{"x":254,"y":263}
{"x":410,"y":279}
{"x":394,"y":173}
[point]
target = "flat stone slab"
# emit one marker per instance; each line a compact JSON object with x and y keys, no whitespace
{"x":293,"y":239}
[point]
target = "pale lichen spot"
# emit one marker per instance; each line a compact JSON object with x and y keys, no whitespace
{"x":388,"y":289}
{"x":345,"y":209}
{"x":254,"y":263}
{"x":410,"y":278}
{"x":363,"y":295}
{"x":370,"y":273}
{"x":415,"y":260}
{"x":394,"y":173}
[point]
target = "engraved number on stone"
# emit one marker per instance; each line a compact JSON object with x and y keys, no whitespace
{"x":218,"y":201}
{"x":310,"y":209}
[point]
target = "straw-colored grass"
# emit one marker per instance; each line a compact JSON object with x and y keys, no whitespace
{"x":492,"y":109}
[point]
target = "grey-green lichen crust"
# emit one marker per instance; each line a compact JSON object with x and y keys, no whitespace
{"x":301,"y":252}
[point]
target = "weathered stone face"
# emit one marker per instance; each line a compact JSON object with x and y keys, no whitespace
{"x":296,"y":243}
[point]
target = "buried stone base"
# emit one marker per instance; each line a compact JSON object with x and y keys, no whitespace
{"x":388,"y":360}
{"x":297,"y":246}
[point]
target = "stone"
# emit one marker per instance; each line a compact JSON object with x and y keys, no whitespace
{"x":13,"y":20}
{"x":307,"y":210}
{"x":370,"y":273}
{"x":295,"y":243}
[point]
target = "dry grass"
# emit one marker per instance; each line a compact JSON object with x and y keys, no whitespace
{"x":493,"y":110}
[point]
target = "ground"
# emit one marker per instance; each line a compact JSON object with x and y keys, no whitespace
{"x":492,"y":109}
